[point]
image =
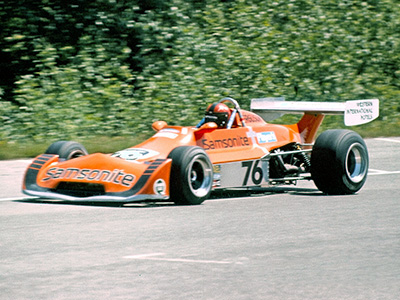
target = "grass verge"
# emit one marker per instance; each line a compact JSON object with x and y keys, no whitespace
{"x":15,"y":150}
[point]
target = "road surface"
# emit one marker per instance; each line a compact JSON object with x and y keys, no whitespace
{"x":299,"y":244}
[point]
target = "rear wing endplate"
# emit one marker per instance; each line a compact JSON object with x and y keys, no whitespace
{"x":356,"y":112}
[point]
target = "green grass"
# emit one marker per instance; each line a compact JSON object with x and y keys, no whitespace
{"x":15,"y":150}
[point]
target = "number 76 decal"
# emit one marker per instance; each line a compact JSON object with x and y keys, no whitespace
{"x":253,"y":171}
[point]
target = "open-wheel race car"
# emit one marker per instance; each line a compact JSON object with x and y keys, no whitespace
{"x":230,"y":148}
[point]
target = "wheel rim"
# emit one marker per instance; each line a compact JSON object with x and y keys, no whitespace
{"x":75,"y":154}
{"x":200,"y":176}
{"x":356,"y":163}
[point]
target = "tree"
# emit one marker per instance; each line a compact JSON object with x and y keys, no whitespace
{"x":169,"y":59}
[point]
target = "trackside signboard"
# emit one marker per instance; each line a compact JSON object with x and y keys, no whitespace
{"x":359,"y":112}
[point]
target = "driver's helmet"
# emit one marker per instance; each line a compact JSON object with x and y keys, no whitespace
{"x":218,"y":113}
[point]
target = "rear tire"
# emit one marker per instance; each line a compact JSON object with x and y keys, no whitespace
{"x":339,"y":162}
{"x":191,"y":175}
{"x":67,"y":150}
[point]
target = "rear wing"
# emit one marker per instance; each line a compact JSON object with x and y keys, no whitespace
{"x":356,"y":112}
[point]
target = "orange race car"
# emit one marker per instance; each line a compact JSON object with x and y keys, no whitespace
{"x":229,"y":148}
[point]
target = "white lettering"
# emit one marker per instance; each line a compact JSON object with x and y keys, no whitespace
{"x":116,"y":176}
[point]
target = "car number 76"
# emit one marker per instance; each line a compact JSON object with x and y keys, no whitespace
{"x":253,"y":171}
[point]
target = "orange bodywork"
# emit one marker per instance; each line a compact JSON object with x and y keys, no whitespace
{"x":143,"y":171}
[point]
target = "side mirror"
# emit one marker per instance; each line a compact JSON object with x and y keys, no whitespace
{"x":158,"y":125}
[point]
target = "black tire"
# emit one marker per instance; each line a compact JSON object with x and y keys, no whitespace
{"x":191,"y":175}
{"x":339,"y":162}
{"x":67,"y":150}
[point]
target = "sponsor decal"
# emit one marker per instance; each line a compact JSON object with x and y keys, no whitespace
{"x":132,"y":154}
{"x":359,"y":112}
{"x":230,"y":142}
{"x":251,"y":118}
{"x":217,"y":169}
{"x":159,"y":187}
{"x":169,"y":133}
{"x":116,"y":176}
{"x":217,"y":176}
{"x":266,"y":137}
{"x":170,"y":130}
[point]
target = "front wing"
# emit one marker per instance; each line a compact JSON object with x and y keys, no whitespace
{"x":151,"y":185}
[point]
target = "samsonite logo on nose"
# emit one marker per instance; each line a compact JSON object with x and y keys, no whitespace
{"x":116,"y":176}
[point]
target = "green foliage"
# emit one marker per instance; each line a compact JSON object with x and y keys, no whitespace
{"x":73,"y":99}
{"x":302,"y":50}
{"x":113,"y":67}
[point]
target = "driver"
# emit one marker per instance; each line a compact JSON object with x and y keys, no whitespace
{"x":218,"y":113}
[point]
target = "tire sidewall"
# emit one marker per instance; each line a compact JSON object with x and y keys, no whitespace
{"x":330,"y":158}
{"x":182,"y":161}
{"x":67,"y":149}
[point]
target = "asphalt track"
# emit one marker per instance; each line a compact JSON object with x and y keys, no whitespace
{"x":297,"y":244}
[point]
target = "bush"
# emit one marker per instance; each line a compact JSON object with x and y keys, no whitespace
{"x":113,"y":69}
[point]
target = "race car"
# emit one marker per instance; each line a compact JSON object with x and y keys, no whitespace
{"x":229,"y":148}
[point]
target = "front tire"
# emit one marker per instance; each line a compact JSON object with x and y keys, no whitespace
{"x":339,"y":162}
{"x":67,"y":149}
{"x":191,"y":175}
